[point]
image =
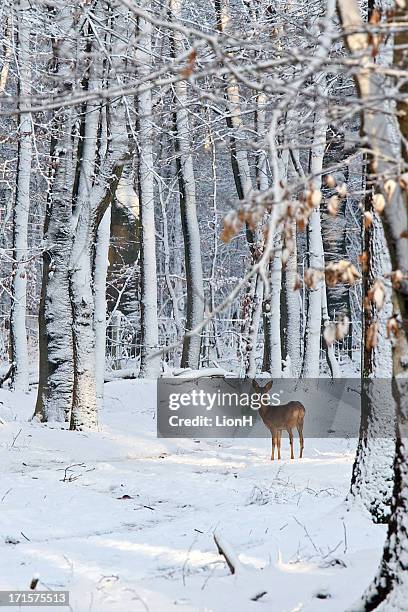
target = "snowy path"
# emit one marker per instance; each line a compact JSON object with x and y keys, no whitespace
{"x":129,"y":526}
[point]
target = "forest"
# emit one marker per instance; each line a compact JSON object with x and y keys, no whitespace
{"x":199,"y":197}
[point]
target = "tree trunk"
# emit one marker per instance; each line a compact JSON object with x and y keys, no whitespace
{"x":112,"y":154}
{"x":18,"y":331}
{"x":187,"y":194}
{"x":389,"y":589}
{"x":243,"y":184}
{"x":54,"y":398}
{"x":293,"y":307}
{"x":252,"y":335}
{"x":84,"y":404}
{"x":149,"y":362}
{"x":272,"y":361}
{"x":317,"y":302}
{"x":101,"y":263}
{"x":372,"y":476}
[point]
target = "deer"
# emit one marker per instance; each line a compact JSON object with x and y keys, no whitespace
{"x":277,"y":418}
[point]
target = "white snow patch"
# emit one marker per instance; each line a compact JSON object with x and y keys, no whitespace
{"x":125,"y":521}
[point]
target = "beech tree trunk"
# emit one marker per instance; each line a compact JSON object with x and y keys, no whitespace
{"x":293,"y":308}
{"x":18,"y":331}
{"x":372,"y":476}
{"x":149,"y":362}
{"x":54,"y":397}
{"x":317,"y":299}
{"x":272,"y":362}
{"x":390,"y":587}
{"x":84,"y":402}
{"x":187,"y":195}
{"x":243,"y":183}
{"x":101,"y":263}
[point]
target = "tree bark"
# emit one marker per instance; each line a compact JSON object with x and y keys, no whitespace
{"x":272,"y":362}
{"x":244,"y":186}
{"x":187,"y":195}
{"x":389,"y":588}
{"x":311,"y":357}
{"x":100,"y":269}
{"x":292,"y":310}
{"x":54,"y":397}
{"x":149,"y":362}
{"x":372,"y":475}
{"x":18,"y":331}
{"x":317,"y":302}
{"x":84,"y":403}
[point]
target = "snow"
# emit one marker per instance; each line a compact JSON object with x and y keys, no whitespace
{"x":125,"y":521}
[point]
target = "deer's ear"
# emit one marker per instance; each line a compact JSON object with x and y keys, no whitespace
{"x":255,"y":385}
{"x":268,"y":386}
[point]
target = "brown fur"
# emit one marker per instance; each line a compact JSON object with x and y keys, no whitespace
{"x":283,"y":417}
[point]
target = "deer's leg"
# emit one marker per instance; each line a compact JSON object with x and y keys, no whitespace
{"x":273,"y":445}
{"x":301,"y":443}
{"x":290,"y":432}
{"x":279,"y":435}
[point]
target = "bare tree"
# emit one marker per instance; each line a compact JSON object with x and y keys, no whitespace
{"x":388,"y":591}
{"x":18,"y":331}
{"x":149,"y":364}
{"x":187,"y":195}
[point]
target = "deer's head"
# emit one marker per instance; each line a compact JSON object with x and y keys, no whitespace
{"x":260,"y":389}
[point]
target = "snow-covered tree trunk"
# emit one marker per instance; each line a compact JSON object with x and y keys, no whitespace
{"x":187,"y":195}
{"x":18,"y":331}
{"x":149,"y":362}
{"x":372,"y":476}
{"x":101,"y":263}
{"x":293,"y":307}
{"x":7,"y":53}
{"x":54,"y":398}
{"x":243,"y":184}
{"x":176,"y":315}
{"x":272,"y":315}
{"x":330,"y":355}
{"x":317,"y":299}
{"x":84,"y":402}
{"x":112,"y":154}
{"x":254,"y":321}
{"x":311,"y":357}
{"x":272,"y":361}
{"x":390,"y":587}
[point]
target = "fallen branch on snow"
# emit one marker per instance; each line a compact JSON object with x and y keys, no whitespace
{"x":235,"y":566}
{"x":225,"y":549}
{"x":7,"y":375}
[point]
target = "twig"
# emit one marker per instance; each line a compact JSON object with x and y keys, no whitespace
{"x":6,"y":493}
{"x":7,"y":375}
{"x":258,"y":595}
{"x":15,"y":438}
{"x":345,"y":537}
{"x":186,"y":560}
{"x":308,"y":535}
{"x":225,"y":549}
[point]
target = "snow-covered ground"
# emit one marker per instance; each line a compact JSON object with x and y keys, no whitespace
{"x":125,"y":521}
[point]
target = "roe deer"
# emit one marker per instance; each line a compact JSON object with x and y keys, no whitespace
{"x":278,"y":418}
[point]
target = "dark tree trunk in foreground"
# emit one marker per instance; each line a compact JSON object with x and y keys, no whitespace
{"x":54,"y":398}
{"x":390,"y":587}
{"x":372,"y":476}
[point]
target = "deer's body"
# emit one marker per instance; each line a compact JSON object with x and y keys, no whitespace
{"x":283,"y":417}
